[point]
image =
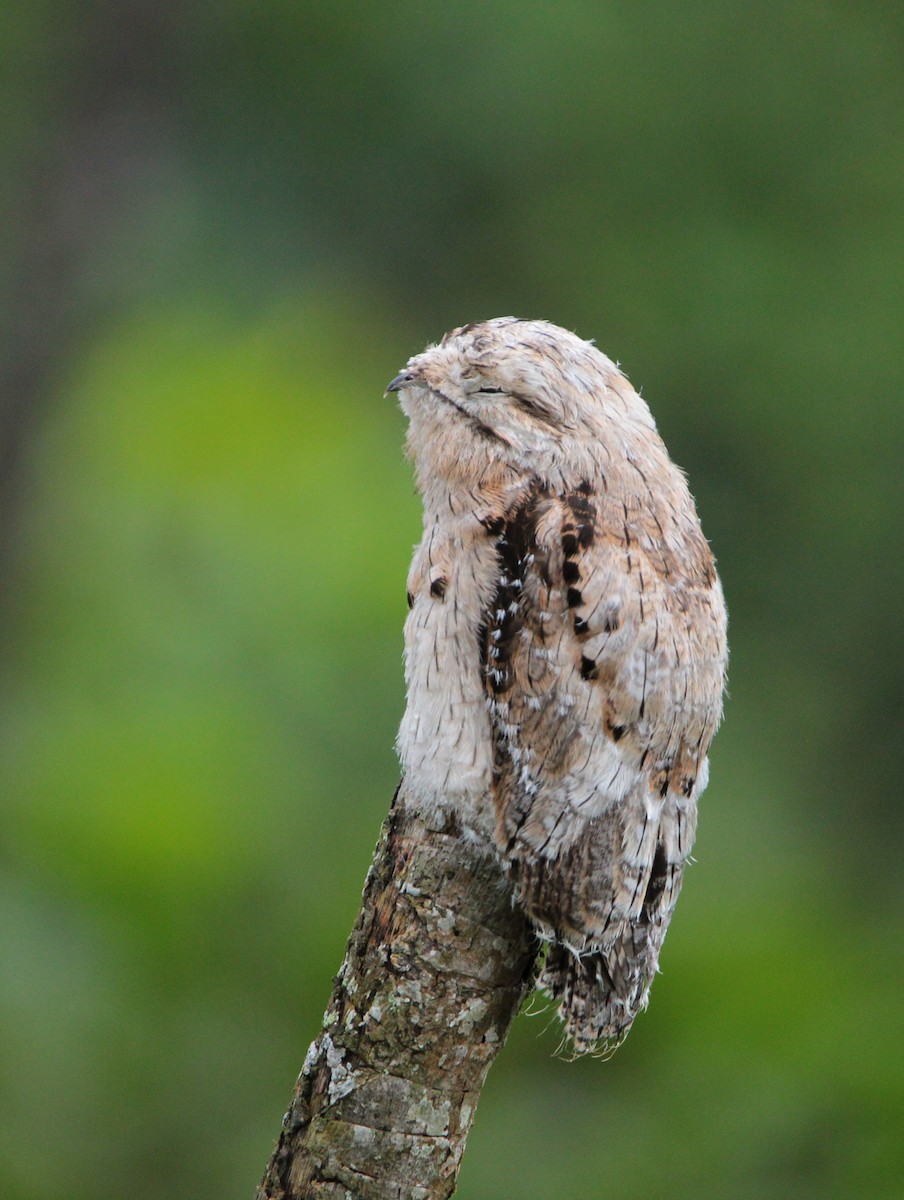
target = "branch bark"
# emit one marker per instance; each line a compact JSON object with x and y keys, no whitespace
{"x":436,"y":968}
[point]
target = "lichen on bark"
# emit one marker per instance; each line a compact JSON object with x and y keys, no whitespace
{"x":435,"y":970}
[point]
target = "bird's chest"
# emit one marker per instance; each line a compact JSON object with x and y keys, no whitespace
{"x":445,"y":740}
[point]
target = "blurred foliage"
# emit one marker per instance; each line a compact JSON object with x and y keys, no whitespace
{"x":202,"y":613}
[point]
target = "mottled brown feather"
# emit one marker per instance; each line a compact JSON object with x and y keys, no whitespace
{"x":568,"y":579}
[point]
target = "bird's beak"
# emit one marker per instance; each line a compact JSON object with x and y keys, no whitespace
{"x":402,"y":380}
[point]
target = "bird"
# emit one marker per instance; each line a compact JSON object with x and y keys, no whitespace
{"x":565,"y":649}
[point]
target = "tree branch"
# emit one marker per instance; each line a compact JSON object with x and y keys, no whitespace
{"x":436,"y":968}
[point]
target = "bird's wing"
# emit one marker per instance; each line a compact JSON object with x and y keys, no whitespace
{"x":604,"y":673}
{"x":592,"y":677}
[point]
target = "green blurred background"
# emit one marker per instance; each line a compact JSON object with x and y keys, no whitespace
{"x":224,"y":228}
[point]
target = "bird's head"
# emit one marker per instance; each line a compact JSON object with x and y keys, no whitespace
{"x":527,"y":393}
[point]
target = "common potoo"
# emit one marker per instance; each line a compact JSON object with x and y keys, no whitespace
{"x":565,"y":648}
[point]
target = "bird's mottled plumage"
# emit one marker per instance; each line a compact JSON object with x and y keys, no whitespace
{"x":565,"y":648}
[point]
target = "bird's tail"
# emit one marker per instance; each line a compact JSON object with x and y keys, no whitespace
{"x":603,"y":984}
{"x":601,"y":991}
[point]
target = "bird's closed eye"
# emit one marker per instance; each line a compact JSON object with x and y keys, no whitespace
{"x":490,"y":391}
